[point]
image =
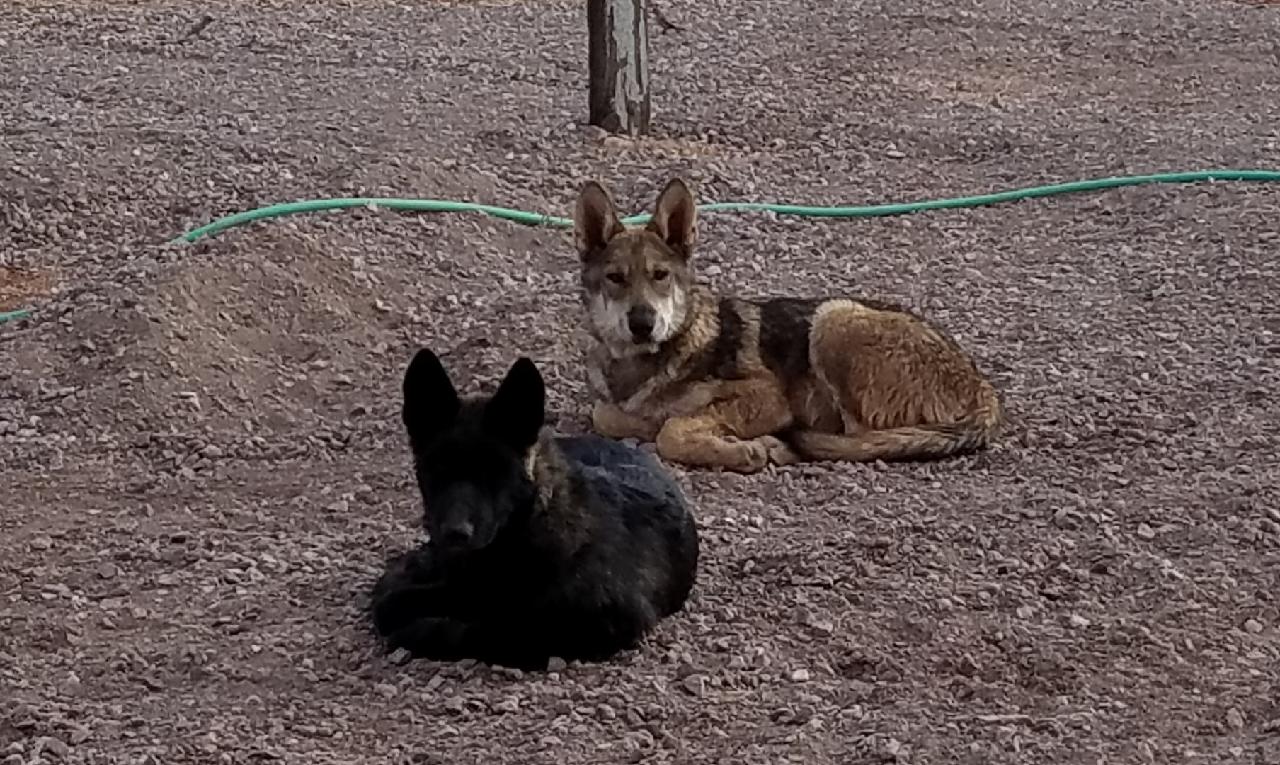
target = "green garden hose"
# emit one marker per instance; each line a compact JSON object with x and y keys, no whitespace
{"x":870,"y":211}
{"x":536,"y":219}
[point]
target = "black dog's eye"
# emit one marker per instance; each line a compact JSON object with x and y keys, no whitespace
{"x":660,"y":274}
{"x":616,"y":278}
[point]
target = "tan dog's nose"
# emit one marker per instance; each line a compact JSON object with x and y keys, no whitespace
{"x":640,"y":320}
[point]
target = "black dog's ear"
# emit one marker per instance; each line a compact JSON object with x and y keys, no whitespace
{"x":675,"y":218}
{"x":430,"y":401}
{"x":517,"y":411}
{"x":595,"y":220}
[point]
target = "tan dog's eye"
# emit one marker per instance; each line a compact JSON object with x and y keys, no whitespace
{"x":616,"y":278}
{"x":660,"y":274}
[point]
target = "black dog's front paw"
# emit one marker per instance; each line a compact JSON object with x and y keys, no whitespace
{"x":438,"y":639}
{"x":398,"y":608}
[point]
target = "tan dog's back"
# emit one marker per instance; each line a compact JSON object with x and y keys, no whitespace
{"x":902,"y":388}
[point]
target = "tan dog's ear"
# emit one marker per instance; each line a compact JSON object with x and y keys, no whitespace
{"x":595,"y":220}
{"x":675,"y":218}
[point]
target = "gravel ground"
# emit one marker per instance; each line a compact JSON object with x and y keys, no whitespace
{"x":199,"y":456}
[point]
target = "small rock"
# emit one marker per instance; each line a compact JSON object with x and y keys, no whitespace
{"x":694,"y":685}
{"x":1079,"y":622}
{"x":1235,"y":719}
{"x":800,"y":676}
{"x":107,"y":570}
{"x":1253,"y":625}
{"x":78,"y":735}
{"x":685,"y":670}
{"x":556,"y":664}
{"x":509,"y":705}
{"x":41,"y":543}
{"x":640,"y":739}
{"x":53,"y":746}
{"x":400,"y":656}
{"x":386,"y":690}
{"x":1146,"y":532}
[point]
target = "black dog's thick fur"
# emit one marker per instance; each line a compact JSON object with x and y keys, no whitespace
{"x":540,"y":546}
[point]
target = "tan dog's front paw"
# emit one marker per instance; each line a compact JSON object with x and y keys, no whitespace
{"x":745,"y":456}
{"x":779,"y":452}
{"x":610,"y":421}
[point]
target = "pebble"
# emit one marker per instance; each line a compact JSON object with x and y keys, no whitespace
{"x":1079,"y":622}
{"x":400,"y":656}
{"x":1235,"y":719}
{"x":800,"y":676}
{"x":556,"y":664}
{"x":695,"y":685}
{"x":53,"y":746}
{"x":1252,"y":625}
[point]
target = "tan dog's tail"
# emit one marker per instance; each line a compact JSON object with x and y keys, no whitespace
{"x":971,"y":433}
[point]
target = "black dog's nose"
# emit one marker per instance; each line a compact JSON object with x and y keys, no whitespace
{"x":456,"y":534}
{"x":640,"y":320}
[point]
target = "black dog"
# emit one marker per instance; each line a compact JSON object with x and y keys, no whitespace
{"x":540,"y":546}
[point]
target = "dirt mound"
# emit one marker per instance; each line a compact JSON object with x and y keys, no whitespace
{"x":264,"y":341}
{"x":20,"y":288}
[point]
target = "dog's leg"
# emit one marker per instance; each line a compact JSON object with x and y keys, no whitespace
{"x":780,"y":453}
{"x":507,"y":641}
{"x":734,"y":433}
{"x":610,"y":421}
{"x":395,"y":608}
{"x":433,"y":638}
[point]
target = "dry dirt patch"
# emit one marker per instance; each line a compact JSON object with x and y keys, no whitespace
{"x":22,"y":287}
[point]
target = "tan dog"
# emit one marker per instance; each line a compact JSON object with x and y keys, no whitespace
{"x":736,"y":383}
